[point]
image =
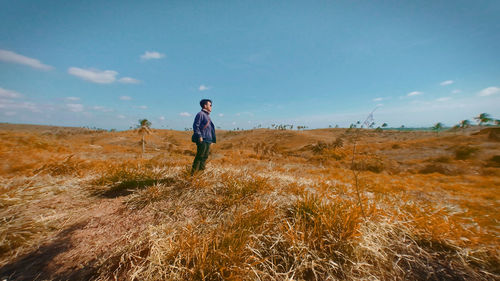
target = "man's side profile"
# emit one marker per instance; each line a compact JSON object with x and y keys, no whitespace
{"x":203,"y":135}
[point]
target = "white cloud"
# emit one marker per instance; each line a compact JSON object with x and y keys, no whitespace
{"x":377,"y":99}
{"x":4,"y":93}
{"x":447,"y":82}
{"x":489,"y":91}
{"x":30,"y":106}
{"x":244,"y":113}
{"x":121,"y":116}
{"x":75,"y":107}
{"x":456,"y":91}
{"x":444,"y":99}
{"x":185,"y":114}
{"x":415,"y":93}
{"x":12,"y":104}
{"x":221,"y":114}
{"x":73,"y":98}
{"x":94,"y":75}
{"x":162,"y":118}
{"x":102,"y":108}
{"x":125,"y":98}
{"x":152,"y":55}
{"x":143,"y":107}
{"x":9,"y":113}
{"x":129,"y":80}
{"x":12,"y":57}
{"x":8,"y":101}
{"x":203,"y":88}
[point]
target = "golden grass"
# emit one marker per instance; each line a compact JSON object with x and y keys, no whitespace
{"x":282,"y":207}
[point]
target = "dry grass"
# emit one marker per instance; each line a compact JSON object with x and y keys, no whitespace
{"x":84,"y":206}
{"x":465,"y":152}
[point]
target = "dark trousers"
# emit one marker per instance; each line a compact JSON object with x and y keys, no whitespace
{"x":202,"y":150}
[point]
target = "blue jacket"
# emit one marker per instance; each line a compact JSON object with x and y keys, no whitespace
{"x":203,"y":127}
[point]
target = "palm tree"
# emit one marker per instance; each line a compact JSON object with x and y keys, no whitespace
{"x":483,"y":118}
{"x":144,"y":128}
{"x":465,"y":124}
{"x":437,"y":127}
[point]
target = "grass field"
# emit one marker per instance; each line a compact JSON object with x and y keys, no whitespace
{"x":78,"y":204}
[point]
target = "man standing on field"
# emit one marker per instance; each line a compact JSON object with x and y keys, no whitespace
{"x":203,"y":135}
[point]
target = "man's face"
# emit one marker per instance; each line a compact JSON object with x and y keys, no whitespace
{"x":208,"y":106}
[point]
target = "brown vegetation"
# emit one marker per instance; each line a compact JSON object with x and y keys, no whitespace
{"x":272,"y":205}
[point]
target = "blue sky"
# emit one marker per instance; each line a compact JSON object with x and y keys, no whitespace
{"x":315,"y":63}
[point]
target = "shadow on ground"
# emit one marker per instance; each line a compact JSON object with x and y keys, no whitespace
{"x":35,"y":265}
{"x":127,"y":187}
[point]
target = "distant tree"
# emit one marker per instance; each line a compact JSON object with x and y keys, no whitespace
{"x":384,"y":125}
{"x":497,"y":122}
{"x":438,"y":127}
{"x":483,"y":118}
{"x":464,"y":124}
{"x":144,"y":128}
{"x":336,"y":126}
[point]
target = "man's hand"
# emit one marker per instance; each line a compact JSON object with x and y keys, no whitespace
{"x":201,"y":139}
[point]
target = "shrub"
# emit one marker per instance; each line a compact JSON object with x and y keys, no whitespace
{"x":438,"y":168}
{"x":321,"y":146}
{"x":465,"y":152}
{"x":373,"y":165}
{"x":494,"y":161}
{"x":236,"y":189}
{"x":121,"y":178}
{"x":440,"y":159}
{"x":150,"y":194}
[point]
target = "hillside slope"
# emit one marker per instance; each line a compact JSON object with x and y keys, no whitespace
{"x":79,"y":204}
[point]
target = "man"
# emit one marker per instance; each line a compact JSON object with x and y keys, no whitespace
{"x":203,"y":135}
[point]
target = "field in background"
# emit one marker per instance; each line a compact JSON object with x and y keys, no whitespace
{"x":78,"y":204}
